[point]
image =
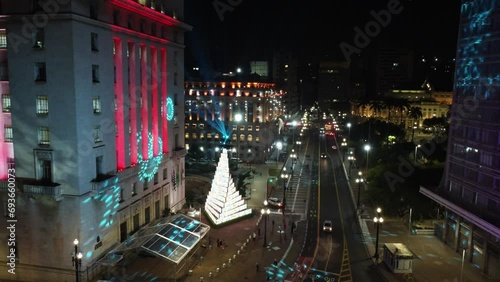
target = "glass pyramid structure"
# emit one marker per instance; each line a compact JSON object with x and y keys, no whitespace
{"x":224,"y":203}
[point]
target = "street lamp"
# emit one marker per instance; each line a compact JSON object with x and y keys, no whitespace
{"x":238,"y":118}
{"x":294,"y":124}
{"x":77,"y":260}
{"x":344,"y":148}
{"x":279,"y":145}
{"x":284,"y":176}
{"x":349,"y":127}
{"x":378,"y":221}
{"x":415,"y":158}
{"x":367,"y":149}
{"x":265,"y":213}
{"x":359,"y":181}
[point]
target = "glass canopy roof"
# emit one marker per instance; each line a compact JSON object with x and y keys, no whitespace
{"x":170,"y":238}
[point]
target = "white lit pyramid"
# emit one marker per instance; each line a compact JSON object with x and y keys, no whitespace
{"x":224,"y":203}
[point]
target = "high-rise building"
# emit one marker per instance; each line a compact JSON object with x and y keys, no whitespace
{"x":470,"y":193}
{"x":394,"y":69}
{"x":333,"y":81}
{"x":285,"y":74}
{"x":95,"y":92}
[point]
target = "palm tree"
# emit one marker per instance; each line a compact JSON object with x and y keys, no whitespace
{"x":402,"y":105}
{"x":415,"y":113}
{"x":363,"y":103}
{"x":376,"y":107}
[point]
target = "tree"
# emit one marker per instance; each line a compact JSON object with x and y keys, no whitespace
{"x":401,"y":105}
{"x":415,"y":113}
{"x":241,"y":182}
{"x":377,"y":107}
{"x":363,"y":104}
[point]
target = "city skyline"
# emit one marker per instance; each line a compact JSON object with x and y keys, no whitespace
{"x":228,"y":34}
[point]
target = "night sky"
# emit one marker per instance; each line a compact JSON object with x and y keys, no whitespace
{"x":253,"y":29}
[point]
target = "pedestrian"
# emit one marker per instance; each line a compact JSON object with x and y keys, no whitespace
{"x":257,"y":267}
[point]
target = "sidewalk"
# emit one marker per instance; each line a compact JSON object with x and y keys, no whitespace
{"x":434,"y":261}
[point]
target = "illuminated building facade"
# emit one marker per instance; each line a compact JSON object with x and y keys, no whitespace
{"x":211,"y":108}
{"x":95,"y":90}
{"x":471,"y":190}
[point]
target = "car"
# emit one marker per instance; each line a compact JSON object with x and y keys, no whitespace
{"x":275,"y":202}
{"x":323,"y":155}
{"x":327,"y":226}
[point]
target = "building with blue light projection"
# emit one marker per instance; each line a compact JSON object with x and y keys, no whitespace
{"x":211,"y":122}
{"x":470,"y":193}
{"x":95,"y":94}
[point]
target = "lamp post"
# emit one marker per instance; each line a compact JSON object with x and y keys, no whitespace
{"x":284,"y":176}
{"x":344,"y":149}
{"x":265,"y":213}
{"x":378,"y":221}
{"x":294,"y":124}
{"x":238,"y":118}
{"x":349,"y":127}
{"x":367,"y":149}
{"x":359,"y":181}
{"x":415,"y":158}
{"x":462,"y":267}
{"x":279,"y":145}
{"x":77,"y":260}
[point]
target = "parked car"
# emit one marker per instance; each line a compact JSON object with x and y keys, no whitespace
{"x":327,"y":226}
{"x":275,"y":202}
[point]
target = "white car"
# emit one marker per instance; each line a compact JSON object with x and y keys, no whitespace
{"x":275,"y":202}
{"x":327,"y":226}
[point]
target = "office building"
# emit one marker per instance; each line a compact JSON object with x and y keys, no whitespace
{"x":94,"y":90}
{"x":470,"y":193}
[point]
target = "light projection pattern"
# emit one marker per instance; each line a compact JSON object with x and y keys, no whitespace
{"x":150,"y":164}
{"x":170,"y":109}
{"x":473,"y":73}
{"x":212,"y":109}
{"x":224,"y":202}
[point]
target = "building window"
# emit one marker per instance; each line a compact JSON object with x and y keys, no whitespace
{"x":39,"y":38}
{"x":3,"y":39}
{"x":94,"y":42}
{"x":8,"y":136}
{"x":43,"y":135}
{"x":6,"y":103}
{"x":249,"y":138}
{"x":42,"y":105}
{"x":235,"y":127}
{"x":155,"y":178}
{"x":121,"y":195}
{"x":130,"y":22}
{"x":96,"y":104}
{"x":153,"y":29}
{"x":97,"y":134}
{"x":186,"y":136}
{"x":165,"y":173}
{"x":175,"y":99}
{"x":249,"y":128}
{"x":175,"y":79}
{"x":95,"y":73}
{"x":134,"y":188}
{"x":242,"y":137}
{"x":162,"y":32}
{"x":257,"y":139}
{"x":116,"y":17}
{"x":142,"y":26}
{"x":4,"y":72}
{"x":98,"y":166}
{"x":257,"y":128}
{"x":93,"y":11}
{"x":40,"y":71}
{"x":145,"y":185}
{"x":46,"y":171}
{"x":175,"y":58}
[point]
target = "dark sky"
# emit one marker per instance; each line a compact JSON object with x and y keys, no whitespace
{"x":253,"y":29}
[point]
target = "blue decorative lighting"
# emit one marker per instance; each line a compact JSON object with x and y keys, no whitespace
{"x":149,"y":165}
{"x":170,"y":109}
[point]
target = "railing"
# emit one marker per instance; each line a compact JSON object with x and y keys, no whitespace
{"x":54,"y":191}
{"x":103,"y":182}
{"x":178,"y":152}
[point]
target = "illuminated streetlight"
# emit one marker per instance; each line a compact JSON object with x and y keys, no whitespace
{"x":415,"y":159}
{"x":265,"y":213}
{"x":378,"y":221}
{"x":367,"y":149}
{"x":77,"y":260}
{"x":238,"y":118}
{"x":359,"y":181}
{"x":279,"y":146}
{"x":349,"y":127}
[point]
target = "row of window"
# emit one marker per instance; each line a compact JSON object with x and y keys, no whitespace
{"x":235,"y":127}
{"x":216,"y":136}
{"x":42,"y":104}
{"x":44,"y":134}
{"x":117,"y":20}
